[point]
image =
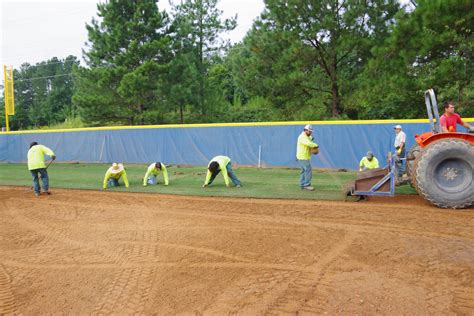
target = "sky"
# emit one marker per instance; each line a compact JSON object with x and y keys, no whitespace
{"x":37,"y":30}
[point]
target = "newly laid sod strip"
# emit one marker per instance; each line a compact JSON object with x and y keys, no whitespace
{"x":257,"y":183}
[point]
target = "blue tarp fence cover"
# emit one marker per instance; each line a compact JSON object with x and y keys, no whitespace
{"x":342,"y":143}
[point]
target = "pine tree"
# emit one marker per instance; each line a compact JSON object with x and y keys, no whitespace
{"x":127,"y":50}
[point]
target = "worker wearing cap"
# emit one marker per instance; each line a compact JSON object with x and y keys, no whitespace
{"x":153,"y":171}
{"x":368,"y":162}
{"x":399,"y":144}
{"x":37,"y":166}
{"x":218,"y":164}
{"x":449,"y":120}
{"x":113,"y":175}
{"x":303,"y":155}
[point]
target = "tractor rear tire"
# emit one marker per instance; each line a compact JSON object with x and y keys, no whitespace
{"x":444,"y":173}
{"x":413,"y":153}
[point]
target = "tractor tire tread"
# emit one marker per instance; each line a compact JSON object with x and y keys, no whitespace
{"x":421,"y":164}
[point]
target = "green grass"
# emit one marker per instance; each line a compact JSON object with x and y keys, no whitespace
{"x":257,"y":183}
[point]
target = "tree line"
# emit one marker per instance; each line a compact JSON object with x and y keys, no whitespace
{"x":301,"y":60}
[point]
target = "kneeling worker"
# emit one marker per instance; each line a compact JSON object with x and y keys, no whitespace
{"x":368,"y":162}
{"x":218,"y":164}
{"x":153,"y":171}
{"x":113,"y":175}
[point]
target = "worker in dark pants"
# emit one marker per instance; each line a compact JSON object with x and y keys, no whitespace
{"x":399,"y":144}
{"x":37,"y":166}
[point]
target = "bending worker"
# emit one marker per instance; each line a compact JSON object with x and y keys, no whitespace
{"x":113,"y":175}
{"x":304,"y":146}
{"x":368,"y":162}
{"x":37,"y":166}
{"x":218,"y":164}
{"x":153,"y":171}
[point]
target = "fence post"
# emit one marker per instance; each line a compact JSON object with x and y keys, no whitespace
{"x":259,"y":155}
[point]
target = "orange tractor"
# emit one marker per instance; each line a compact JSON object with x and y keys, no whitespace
{"x":440,"y":166}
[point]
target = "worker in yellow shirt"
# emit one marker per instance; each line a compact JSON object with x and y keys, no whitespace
{"x":153,"y":171}
{"x":218,"y":164}
{"x":303,"y":154}
{"x":37,"y":166}
{"x":368,"y":162}
{"x":113,"y":175}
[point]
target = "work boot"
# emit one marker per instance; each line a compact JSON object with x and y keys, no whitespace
{"x":238,"y":186}
{"x":37,"y":194}
{"x":309,"y":188}
{"x":47,"y":193}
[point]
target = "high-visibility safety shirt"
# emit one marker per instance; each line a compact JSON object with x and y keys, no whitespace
{"x":152,"y":170}
{"x":223,"y":161}
{"x":303,"y":147}
{"x":367,"y":164}
{"x":36,"y":156}
{"x":116,"y":176}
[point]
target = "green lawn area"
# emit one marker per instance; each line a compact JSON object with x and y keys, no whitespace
{"x":257,"y":183}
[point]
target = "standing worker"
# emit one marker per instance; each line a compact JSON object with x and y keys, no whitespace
{"x":153,"y":171}
{"x":450,"y":119}
{"x":400,"y":147}
{"x":113,"y":175}
{"x":369,"y":162}
{"x":304,"y":148}
{"x":218,"y":164}
{"x":37,"y":166}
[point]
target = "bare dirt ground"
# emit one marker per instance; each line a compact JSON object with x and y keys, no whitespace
{"x":102,"y":252}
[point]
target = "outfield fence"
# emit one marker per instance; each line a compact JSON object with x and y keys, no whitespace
{"x":342,"y":143}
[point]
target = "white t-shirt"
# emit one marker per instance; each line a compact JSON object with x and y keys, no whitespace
{"x":400,"y":138}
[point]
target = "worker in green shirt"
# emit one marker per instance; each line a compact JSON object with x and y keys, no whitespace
{"x":368,"y":162}
{"x":218,"y":164}
{"x":37,"y":166}
{"x":113,"y":175}
{"x":153,"y":171}
{"x":303,"y":154}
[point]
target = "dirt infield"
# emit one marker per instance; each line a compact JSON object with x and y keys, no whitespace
{"x":103,"y":252}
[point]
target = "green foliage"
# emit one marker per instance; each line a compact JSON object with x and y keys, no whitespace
{"x":302,"y":60}
{"x":128,"y":50}
{"x":70,"y":122}
{"x":257,"y":109}
{"x":197,"y":25}
{"x":331,"y":41}
{"x":430,"y":47}
{"x":43,"y":93}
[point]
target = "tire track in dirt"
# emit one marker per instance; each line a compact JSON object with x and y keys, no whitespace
{"x":131,"y":242}
{"x":7,"y":299}
{"x":127,"y":293}
{"x":209,"y":251}
{"x":151,"y":264}
{"x":440,"y":262}
{"x":256,"y":290}
{"x":307,"y":293}
{"x":346,"y":224}
{"x":463,"y":301}
{"x":53,"y":236}
{"x":366,"y":226}
{"x":281,"y":292}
